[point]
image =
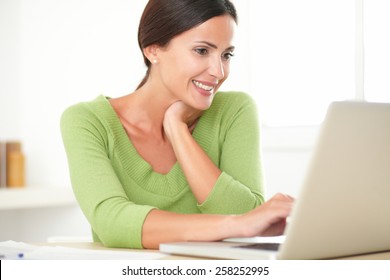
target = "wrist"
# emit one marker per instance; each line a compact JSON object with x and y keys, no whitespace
{"x":173,"y":127}
{"x":243,"y":225}
{"x":212,"y":228}
{"x":233,"y":226}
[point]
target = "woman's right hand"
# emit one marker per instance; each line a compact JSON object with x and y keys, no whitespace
{"x":269,"y":219}
{"x":180,"y":113}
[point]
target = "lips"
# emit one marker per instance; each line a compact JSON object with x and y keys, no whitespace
{"x":203,"y":86}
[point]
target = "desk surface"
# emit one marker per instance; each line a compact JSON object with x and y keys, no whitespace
{"x":99,"y":246}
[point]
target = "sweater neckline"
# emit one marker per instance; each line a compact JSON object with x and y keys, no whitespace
{"x":137,"y":167}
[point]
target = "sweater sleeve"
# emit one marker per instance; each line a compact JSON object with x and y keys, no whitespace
{"x":115,"y":220}
{"x":239,"y":188}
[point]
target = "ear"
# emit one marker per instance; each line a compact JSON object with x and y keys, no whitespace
{"x":151,"y":53}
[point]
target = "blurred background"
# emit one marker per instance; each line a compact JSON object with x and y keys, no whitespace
{"x":293,"y":56}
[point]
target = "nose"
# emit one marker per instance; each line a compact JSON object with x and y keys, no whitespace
{"x":216,"y":68}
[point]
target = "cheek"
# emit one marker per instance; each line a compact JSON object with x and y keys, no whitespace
{"x":226,"y":71}
{"x":180,"y":68}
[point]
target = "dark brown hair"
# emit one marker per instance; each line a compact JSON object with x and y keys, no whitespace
{"x":164,"y":19}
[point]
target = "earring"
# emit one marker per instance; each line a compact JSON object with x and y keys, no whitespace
{"x":154,"y":61}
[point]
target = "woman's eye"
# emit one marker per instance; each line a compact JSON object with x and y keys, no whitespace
{"x":228,"y":55}
{"x":201,"y":51}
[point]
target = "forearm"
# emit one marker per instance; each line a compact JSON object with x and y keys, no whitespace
{"x":162,"y":226}
{"x":268,"y":219}
{"x":200,"y":171}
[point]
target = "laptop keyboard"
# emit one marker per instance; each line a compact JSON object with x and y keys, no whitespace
{"x":261,"y":246}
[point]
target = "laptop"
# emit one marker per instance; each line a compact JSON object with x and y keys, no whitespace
{"x":343,"y":207}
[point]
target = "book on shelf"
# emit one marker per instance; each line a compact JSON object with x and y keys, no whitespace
{"x":2,"y":165}
{"x":12,"y":164}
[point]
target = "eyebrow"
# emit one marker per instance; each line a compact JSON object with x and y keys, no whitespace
{"x":211,"y":45}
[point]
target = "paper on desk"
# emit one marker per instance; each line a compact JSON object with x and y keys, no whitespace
{"x":12,"y":250}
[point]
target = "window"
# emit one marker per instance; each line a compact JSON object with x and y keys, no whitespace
{"x":305,"y":54}
{"x":377,"y":50}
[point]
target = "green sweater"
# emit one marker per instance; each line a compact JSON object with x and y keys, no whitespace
{"x":116,"y":188}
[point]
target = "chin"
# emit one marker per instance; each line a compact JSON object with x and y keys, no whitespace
{"x":204,"y":105}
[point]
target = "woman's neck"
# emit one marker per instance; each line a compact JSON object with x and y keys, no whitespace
{"x":144,"y":109}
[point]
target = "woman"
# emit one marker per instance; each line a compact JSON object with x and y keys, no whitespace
{"x":174,"y":160}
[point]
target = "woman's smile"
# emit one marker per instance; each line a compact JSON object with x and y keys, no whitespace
{"x":204,"y":88}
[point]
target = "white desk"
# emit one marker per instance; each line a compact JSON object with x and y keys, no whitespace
{"x":99,"y":246}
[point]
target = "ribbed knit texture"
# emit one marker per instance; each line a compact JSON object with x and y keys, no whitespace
{"x":116,"y":188}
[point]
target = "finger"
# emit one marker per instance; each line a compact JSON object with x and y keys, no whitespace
{"x":283,"y":196}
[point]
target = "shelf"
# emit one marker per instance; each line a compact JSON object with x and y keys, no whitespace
{"x":33,"y":197}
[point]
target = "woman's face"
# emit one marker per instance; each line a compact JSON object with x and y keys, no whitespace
{"x":195,"y":63}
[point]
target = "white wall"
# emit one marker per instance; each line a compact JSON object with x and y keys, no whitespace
{"x":9,"y":69}
{"x":55,"y":53}
{"x":71,"y":51}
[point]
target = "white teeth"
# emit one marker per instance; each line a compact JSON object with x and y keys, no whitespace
{"x":202,"y":86}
